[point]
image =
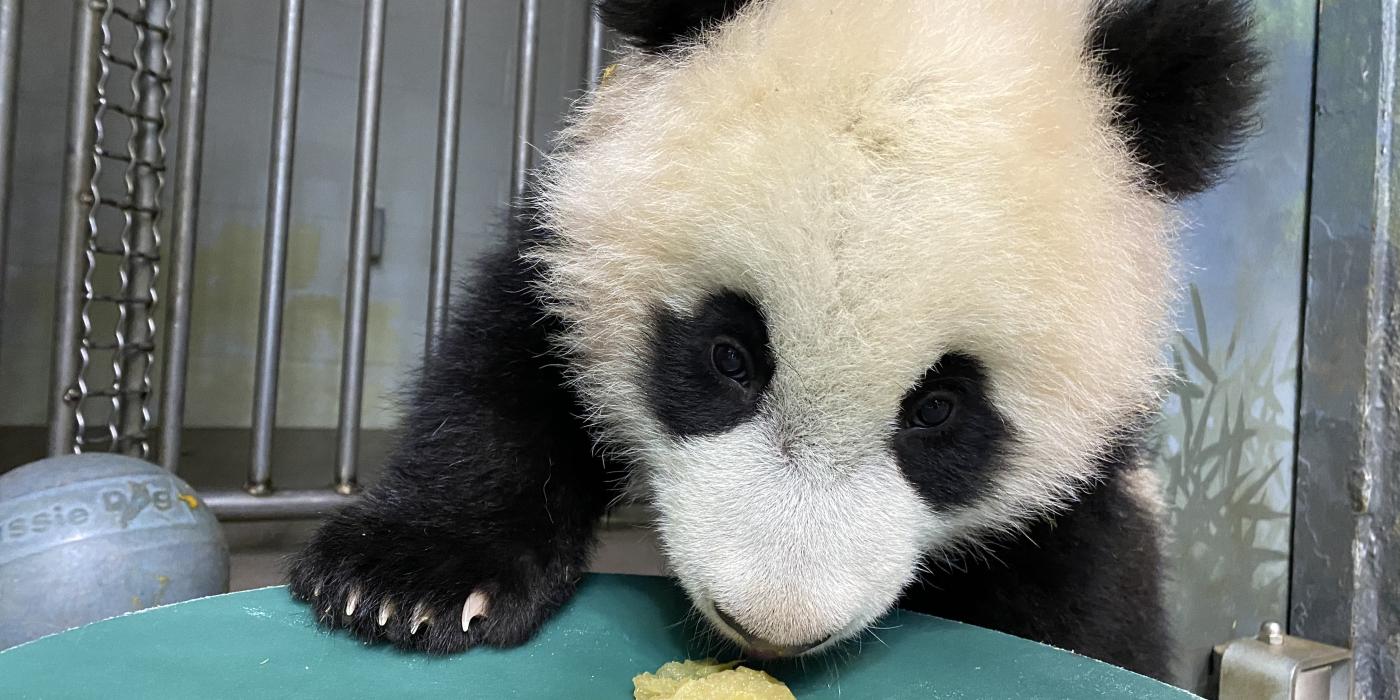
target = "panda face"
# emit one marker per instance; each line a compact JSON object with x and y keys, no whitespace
{"x":846,"y":303}
{"x":808,"y":488}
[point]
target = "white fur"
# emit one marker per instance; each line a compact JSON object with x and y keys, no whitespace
{"x":891,"y":180}
{"x":794,"y":546}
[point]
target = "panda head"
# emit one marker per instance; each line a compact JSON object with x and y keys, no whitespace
{"x":853,"y":283}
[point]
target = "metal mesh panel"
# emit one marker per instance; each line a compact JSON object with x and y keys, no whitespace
{"x":111,"y":392}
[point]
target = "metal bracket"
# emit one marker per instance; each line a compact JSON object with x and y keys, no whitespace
{"x":376,"y":236}
{"x":1275,"y":666}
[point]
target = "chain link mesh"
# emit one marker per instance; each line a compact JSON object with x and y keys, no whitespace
{"x":122,"y":252}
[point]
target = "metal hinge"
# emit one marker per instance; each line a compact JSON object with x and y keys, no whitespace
{"x":1275,"y":666}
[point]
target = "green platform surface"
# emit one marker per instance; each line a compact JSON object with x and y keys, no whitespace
{"x":261,"y":644}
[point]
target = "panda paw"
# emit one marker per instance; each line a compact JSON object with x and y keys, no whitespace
{"x":426,"y":594}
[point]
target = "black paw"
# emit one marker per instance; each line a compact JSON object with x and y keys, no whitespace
{"x":436,"y":593}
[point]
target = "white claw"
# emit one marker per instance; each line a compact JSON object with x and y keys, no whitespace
{"x":352,"y":601}
{"x":419,"y":617}
{"x":385,"y":610}
{"x":477,"y":605}
{"x":316,"y":592}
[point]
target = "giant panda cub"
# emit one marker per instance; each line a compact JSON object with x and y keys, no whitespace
{"x":866,"y":299}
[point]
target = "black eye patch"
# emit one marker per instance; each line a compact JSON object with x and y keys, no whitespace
{"x":949,"y":434}
{"x":709,"y":369}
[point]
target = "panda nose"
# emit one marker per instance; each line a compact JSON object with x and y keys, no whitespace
{"x":760,"y":648}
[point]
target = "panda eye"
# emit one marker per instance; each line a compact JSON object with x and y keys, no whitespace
{"x":731,"y":361}
{"x":934,"y":409}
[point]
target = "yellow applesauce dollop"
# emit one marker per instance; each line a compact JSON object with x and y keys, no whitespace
{"x":708,"y":680}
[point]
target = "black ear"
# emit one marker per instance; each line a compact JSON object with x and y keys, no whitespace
{"x":1189,"y":73}
{"x":656,"y":25}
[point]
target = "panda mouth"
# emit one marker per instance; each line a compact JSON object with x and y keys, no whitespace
{"x":760,"y":649}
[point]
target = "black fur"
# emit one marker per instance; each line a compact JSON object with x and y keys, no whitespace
{"x":1087,"y":580}
{"x":493,"y":486}
{"x":1189,"y":74}
{"x":658,"y":25}
{"x":686,"y":392}
{"x":951,"y":465}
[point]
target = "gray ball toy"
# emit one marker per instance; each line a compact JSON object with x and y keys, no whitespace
{"x":92,"y":536}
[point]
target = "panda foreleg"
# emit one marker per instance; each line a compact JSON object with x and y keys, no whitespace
{"x":482,"y":522}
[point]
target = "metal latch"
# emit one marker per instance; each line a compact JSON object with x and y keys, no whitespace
{"x":1275,"y":666}
{"x":376,"y":236}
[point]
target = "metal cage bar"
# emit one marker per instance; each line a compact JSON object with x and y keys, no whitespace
{"x":279,"y":505}
{"x":259,"y":500}
{"x":597,"y":40}
{"x":11,"y":12}
{"x":523,"y":154}
{"x":189,"y":158}
{"x":445,"y":182}
{"x":130,"y":420}
{"x":352,"y":364}
{"x":274,"y":272}
{"x":76,"y":207}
